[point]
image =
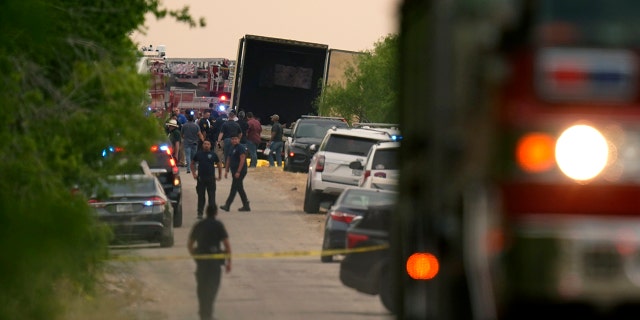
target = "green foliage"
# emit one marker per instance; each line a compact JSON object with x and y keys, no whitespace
{"x":371,"y":91}
{"x":69,"y":88}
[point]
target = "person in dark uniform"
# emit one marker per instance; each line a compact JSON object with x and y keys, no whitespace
{"x":206,"y":160}
{"x":237,"y":161}
{"x":208,"y":234}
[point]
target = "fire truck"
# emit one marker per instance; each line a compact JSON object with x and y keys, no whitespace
{"x":520,"y":185}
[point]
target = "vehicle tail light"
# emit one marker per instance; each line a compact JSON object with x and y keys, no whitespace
{"x":354,"y":239}
{"x":95,"y":203}
{"x":155,"y":201}
{"x":320,"y":164}
{"x":422,"y":266}
{"x":291,"y":154}
{"x":366,"y":175}
{"x":380,"y":175}
{"x":342,"y":216}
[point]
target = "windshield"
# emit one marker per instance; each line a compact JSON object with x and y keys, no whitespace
{"x":588,"y":23}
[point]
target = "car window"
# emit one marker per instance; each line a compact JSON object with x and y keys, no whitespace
{"x":363,"y":198}
{"x":131,"y":186}
{"x":385,"y":159}
{"x":349,"y":145}
{"x":307,"y":130}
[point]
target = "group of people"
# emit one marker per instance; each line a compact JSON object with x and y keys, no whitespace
{"x":222,"y":141}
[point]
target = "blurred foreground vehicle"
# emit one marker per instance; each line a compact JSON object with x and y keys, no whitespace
{"x":136,"y":208}
{"x":367,"y":271}
{"x":352,"y":203}
{"x":550,"y":214}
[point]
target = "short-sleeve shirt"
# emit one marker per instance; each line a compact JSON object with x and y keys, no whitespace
{"x":208,"y":234}
{"x":205,"y":161}
{"x":234,"y":162}
{"x":277,"y":128}
{"x":174,"y":135}
{"x":230,"y":128}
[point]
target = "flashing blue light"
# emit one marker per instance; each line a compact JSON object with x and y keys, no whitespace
{"x":148,"y":203}
{"x":396,"y":137}
{"x":107,"y":150}
{"x":164,"y":147}
{"x":222,"y":107}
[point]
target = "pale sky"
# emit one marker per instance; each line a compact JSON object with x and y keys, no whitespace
{"x":352,"y":25}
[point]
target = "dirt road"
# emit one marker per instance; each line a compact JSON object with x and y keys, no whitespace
{"x":277,"y":273}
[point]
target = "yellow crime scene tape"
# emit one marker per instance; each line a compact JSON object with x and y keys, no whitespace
{"x":282,"y":254}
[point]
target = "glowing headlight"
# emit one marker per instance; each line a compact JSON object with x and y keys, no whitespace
{"x":581,"y":152}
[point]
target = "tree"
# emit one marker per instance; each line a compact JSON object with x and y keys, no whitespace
{"x":69,"y":88}
{"x":370,"y":91}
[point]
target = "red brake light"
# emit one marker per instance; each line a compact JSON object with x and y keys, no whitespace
{"x":354,"y":239}
{"x":320,"y":164}
{"x":342,"y":216}
{"x":155,"y":201}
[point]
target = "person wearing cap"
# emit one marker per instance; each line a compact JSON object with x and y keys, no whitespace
{"x":174,"y":137}
{"x":276,"y":143}
{"x":237,"y":160}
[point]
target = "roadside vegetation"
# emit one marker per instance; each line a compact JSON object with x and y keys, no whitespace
{"x":68,"y":89}
{"x":370,"y":91}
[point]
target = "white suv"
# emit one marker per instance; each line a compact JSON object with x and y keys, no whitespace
{"x":329,"y":171}
{"x":380,"y":170}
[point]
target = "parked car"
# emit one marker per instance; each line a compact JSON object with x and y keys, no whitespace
{"x":136,"y":208}
{"x":329,"y":171}
{"x":368,"y":271}
{"x":304,"y":138}
{"x":351,"y":203}
{"x":380,"y":169}
{"x":165,"y":167}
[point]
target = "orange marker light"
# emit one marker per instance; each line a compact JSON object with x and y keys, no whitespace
{"x":422,"y":266}
{"x":535,"y":152}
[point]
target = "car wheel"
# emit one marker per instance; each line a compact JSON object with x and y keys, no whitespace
{"x":386,"y":291}
{"x":325,"y":246}
{"x":177,"y":215}
{"x":311,"y":201}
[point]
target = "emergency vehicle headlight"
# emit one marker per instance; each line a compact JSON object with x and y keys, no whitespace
{"x":582,"y":152}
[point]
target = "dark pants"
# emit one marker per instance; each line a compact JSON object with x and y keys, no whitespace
{"x":237,"y":185}
{"x":208,"y":274}
{"x":209,"y":185}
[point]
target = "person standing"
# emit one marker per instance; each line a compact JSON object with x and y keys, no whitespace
{"x":182,"y":119}
{"x":174,"y":137}
{"x":237,"y":161}
{"x":244,"y":126}
{"x":253,"y":138}
{"x":190,"y":137}
{"x":205,"y":126}
{"x":276,"y":143}
{"x":208,"y":234}
{"x":228,"y":129}
{"x":206,"y":161}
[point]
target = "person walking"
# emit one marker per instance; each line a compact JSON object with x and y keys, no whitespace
{"x":205,"y":127}
{"x":237,"y":161}
{"x":174,"y":137}
{"x":208,"y":234}
{"x":190,"y":137}
{"x":253,"y":138}
{"x":228,"y":129}
{"x":206,"y":161}
{"x":276,"y":143}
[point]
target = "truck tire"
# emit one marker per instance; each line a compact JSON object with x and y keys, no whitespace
{"x":311,"y":201}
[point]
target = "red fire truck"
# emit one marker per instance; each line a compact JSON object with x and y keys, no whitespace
{"x":556,"y":222}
